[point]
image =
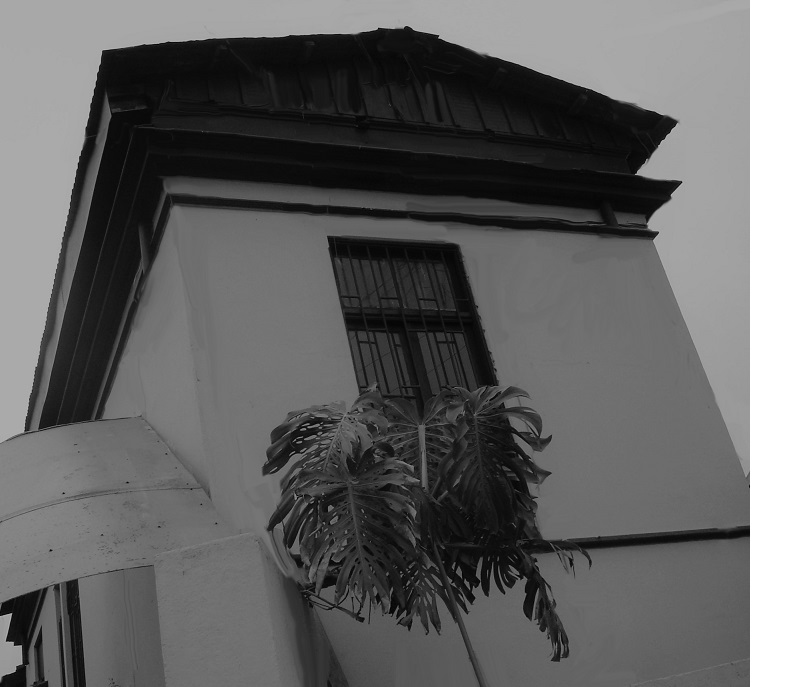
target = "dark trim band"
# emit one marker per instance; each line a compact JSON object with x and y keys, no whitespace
{"x":650,"y":538}
{"x":508,"y":222}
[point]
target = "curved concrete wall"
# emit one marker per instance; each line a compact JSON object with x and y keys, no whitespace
{"x":90,"y":498}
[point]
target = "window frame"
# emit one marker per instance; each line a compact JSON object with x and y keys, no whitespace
{"x":411,"y":322}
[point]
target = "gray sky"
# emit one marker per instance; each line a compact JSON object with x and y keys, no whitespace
{"x":685,"y":58}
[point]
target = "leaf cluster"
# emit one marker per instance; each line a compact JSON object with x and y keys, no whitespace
{"x":397,"y":508}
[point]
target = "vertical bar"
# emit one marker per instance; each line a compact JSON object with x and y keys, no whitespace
{"x":394,"y":358}
{"x":458,"y":274}
{"x":410,"y":337}
{"x":427,"y":388}
{"x":439,"y":314}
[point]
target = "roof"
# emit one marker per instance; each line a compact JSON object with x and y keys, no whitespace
{"x":396,"y":77}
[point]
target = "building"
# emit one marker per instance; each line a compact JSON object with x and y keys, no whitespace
{"x":225,"y":189}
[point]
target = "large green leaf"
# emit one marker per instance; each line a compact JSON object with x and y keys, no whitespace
{"x":422,"y":439}
{"x":487,"y":469}
{"x":354,"y":523}
{"x":404,"y":510}
{"x":539,"y":605}
{"x":324,"y":434}
{"x":422,"y":589}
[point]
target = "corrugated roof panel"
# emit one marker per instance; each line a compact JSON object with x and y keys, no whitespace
{"x":443,"y":107}
{"x":491,"y":109}
{"x":519,"y":116}
{"x":223,"y":87}
{"x":192,"y":87}
{"x":462,"y":103}
{"x":427,"y":97}
{"x":285,"y":88}
{"x":254,"y":90}
{"x":546,"y":121}
{"x":346,"y":88}
{"x":403,"y":96}
{"x":375,"y":94}
{"x":575,"y":129}
{"x":600,"y":134}
{"x":316,"y":86}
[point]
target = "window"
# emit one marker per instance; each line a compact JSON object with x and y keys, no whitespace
{"x":38,"y":659}
{"x":410,"y":318}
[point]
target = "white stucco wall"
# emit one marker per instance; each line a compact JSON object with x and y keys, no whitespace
{"x":735,"y":674}
{"x":587,"y":324}
{"x":227,"y":618}
{"x":120,"y":629}
{"x":156,"y":376}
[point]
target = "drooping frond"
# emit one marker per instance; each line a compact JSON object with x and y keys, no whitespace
{"x":539,"y":605}
{"x":422,"y":439}
{"x":406,"y":510}
{"x":354,"y":523}
{"x":487,"y":469}
{"x":323,"y":434}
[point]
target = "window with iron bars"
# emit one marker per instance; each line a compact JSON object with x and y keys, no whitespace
{"x":410,"y":318}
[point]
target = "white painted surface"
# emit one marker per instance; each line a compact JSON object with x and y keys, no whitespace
{"x":89,"y":498}
{"x":728,"y":675}
{"x":228,"y":617}
{"x":120,"y":629}
{"x":156,"y":376}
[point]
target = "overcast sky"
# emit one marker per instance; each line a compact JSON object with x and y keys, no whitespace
{"x":685,"y":58}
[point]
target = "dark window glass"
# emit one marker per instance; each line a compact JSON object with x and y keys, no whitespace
{"x":75,"y":629}
{"x":410,"y":319}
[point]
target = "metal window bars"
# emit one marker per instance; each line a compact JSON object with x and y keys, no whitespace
{"x":411,"y":322}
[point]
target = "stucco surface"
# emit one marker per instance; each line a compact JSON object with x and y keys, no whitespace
{"x":155,"y":376}
{"x":727,"y":675}
{"x":89,"y":498}
{"x":229,"y":617}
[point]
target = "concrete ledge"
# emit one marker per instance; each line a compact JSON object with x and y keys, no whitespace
{"x":734,"y":674}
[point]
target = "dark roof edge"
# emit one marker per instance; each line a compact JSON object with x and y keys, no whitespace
{"x":87,"y":148}
{"x":651,"y":127}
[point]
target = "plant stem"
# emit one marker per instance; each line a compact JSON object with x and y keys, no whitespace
{"x":422,"y":445}
{"x":454,"y":608}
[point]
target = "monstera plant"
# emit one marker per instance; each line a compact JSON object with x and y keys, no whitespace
{"x":397,"y":509}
